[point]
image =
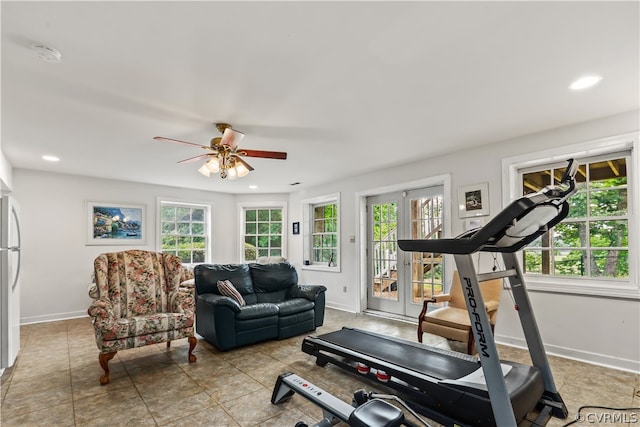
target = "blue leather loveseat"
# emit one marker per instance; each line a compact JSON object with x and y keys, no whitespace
{"x":276,"y":306}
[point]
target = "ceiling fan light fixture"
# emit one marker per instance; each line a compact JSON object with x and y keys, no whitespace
{"x":224,"y":155}
{"x":241,"y":169}
{"x":232,"y":173}
{"x":204,"y":170}
{"x":213,"y":165}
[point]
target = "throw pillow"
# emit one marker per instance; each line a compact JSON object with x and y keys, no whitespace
{"x":189,"y":283}
{"x":226,"y":288}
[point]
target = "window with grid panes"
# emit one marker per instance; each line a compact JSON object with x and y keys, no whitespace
{"x":263,"y":233}
{"x":184,"y":231}
{"x":324,"y":234}
{"x":593,"y":241}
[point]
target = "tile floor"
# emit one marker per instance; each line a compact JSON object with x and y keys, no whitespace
{"x":55,"y":380}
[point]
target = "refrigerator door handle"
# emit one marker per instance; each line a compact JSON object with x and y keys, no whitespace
{"x":17,"y":276}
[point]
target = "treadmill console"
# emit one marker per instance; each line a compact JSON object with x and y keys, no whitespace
{"x":517,"y":225}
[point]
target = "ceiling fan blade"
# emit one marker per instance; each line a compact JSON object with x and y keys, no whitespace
{"x":196,"y":158}
{"x":247,"y":165}
{"x":161,"y":138}
{"x":264,"y":154}
{"x":231,"y":137}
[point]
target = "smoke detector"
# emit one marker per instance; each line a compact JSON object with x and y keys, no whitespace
{"x":47,"y":53}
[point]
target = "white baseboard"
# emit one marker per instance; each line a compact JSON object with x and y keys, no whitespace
{"x":53,"y":317}
{"x":579,"y":355}
{"x":341,"y":307}
{"x":397,"y":317}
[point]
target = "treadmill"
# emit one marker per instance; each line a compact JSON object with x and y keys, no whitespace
{"x":455,"y":388}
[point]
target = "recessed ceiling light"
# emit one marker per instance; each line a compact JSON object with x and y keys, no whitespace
{"x":585,"y":82}
{"x":253,"y":187}
{"x":50,"y":158}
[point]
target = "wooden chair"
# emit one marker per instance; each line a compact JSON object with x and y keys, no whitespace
{"x":452,"y":321}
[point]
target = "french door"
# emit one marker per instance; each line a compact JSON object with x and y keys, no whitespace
{"x":397,"y":281}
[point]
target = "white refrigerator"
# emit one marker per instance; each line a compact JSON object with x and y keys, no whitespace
{"x":9,"y":282}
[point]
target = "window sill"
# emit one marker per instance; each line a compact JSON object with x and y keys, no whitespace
{"x":609,"y":289}
{"x":318,"y":267}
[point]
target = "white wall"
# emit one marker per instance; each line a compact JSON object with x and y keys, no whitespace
{"x":57,"y":264}
{"x":600,"y":330}
{"x":6,"y":174}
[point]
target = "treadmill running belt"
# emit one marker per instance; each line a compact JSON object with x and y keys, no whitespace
{"x":421,"y":372}
{"x":412,"y":357}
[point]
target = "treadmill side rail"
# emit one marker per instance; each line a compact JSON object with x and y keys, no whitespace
{"x":532,"y":334}
{"x":485,"y":343}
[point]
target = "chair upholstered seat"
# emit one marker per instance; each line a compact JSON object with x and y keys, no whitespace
{"x":452,"y":321}
{"x":459,"y":333}
{"x":142,"y":330}
{"x":452,"y":317}
{"x":294,"y":306}
{"x":138,"y":301}
{"x":256,"y":311}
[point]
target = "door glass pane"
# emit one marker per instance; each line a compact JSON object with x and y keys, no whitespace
{"x":426,"y":267}
{"x":385,"y":251}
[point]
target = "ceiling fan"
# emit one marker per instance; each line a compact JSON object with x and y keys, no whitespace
{"x":223,"y":155}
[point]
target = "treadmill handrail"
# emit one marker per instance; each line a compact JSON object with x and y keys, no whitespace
{"x":494,"y":237}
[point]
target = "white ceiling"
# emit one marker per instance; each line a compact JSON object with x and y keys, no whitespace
{"x":344,"y":87}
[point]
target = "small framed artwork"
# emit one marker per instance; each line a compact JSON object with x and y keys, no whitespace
{"x":296,"y":228}
{"x":115,"y":224}
{"x":473,"y":200}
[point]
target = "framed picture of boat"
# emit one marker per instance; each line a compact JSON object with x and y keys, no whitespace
{"x":115,"y":224}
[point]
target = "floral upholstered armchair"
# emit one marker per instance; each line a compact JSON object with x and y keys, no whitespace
{"x":138,"y":301}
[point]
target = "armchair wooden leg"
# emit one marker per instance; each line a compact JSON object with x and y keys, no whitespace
{"x":470,"y":343}
{"x":421,"y":316}
{"x":192,"y":344}
{"x":104,"y":358}
{"x":168,"y":344}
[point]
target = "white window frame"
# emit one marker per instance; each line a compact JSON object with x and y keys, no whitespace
{"x":177,"y":202}
{"x":262,"y":205}
{"x":511,"y":178}
{"x":307,"y":211}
